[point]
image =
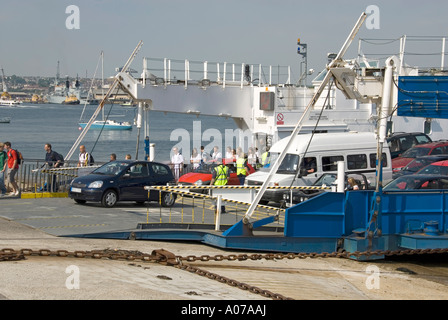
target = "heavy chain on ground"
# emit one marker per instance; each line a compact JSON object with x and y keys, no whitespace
{"x":167,"y":258}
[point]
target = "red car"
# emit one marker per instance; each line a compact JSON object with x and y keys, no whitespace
{"x":433,"y":148}
{"x":203,"y":175}
{"x":437,"y":168}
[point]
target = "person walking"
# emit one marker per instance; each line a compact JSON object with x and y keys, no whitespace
{"x":242,"y":168}
{"x":220,"y":177}
{"x":113,"y":157}
{"x":84,"y":157}
{"x":3,"y":166}
{"x":13,"y":167}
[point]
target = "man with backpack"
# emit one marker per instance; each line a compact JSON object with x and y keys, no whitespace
{"x":53,"y":160}
{"x":13,"y":167}
{"x":84,"y":157}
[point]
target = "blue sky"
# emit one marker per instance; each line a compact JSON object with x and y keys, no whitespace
{"x":34,"y":35}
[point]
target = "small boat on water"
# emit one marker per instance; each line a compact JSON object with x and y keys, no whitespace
{"x":9,"y":102}
{"x":5,"y":120}
{"x":5,"y":98}
{"x":108,"y":125}
{"x":72,"y":99}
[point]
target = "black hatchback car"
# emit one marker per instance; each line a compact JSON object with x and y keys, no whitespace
{"x":123,"y":181}
{"x":400,"y":142}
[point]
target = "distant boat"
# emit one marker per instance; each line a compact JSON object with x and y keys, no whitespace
{"x":72,"y":99}
{"x":5,"y":120}
{"x":108,"y":125}
{"x":9,"y":102}
{"x":105,"y":124}
{"x":5,"y":98}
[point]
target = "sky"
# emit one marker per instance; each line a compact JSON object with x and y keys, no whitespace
{"x":34,"y":34}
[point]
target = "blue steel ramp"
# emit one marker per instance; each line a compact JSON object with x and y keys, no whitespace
{"x":326,"y":223}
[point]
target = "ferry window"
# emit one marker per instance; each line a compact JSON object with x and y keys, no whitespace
{"x":373,"y":160}
{"x":356,"y":162}
{"x":427,"y":127}
{"x":331,"y":163}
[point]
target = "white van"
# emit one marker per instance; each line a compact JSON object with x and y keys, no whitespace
{"x":357,"y":149}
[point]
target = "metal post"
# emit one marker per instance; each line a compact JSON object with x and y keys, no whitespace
{"x":341,"y":176}
{"x":192,"y":211}
{"x":224,"y":76}
{"x":443,"y":54}
{"x":218,"y":213}
{"x":186,"y":73}
{"x":152,"y":151}
{"x":139,"y":127}
{"x":164,"y":70}
{"x":402,"y":49}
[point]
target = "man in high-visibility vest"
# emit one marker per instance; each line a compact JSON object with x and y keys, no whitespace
{"x":241,"y":168}
{"x":220,"y":177}
{"x":264,"y":158}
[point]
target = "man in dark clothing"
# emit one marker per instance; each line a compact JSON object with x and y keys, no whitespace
{"x":51,"y":157}
{"x":52,"y":160}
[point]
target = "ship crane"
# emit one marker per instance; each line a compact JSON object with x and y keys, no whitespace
{"x":5,"y":89}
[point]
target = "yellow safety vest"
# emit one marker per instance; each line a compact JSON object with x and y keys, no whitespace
{"x":221,"y":175}
{"x":263,"y":158}
{"x":240,"y":167}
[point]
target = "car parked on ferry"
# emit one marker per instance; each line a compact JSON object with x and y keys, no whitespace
{"x":360,"y":182}
{"x":433,"y":148}
{"x":124,"y":181}
{"x":418,"y":164}
{"x":437,"y":168}
{"x":399,"y":142}
{"x":418,"y":182}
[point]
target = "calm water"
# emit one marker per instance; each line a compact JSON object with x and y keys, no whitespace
{"x":34,"y":125}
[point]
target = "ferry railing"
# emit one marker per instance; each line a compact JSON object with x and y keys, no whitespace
{"x":426,"y":52}
{"x":171,"y":71}
{"x":201,"y":208}
{"x":34,"y":176}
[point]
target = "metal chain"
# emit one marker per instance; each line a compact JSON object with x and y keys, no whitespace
{"x":167,"y":258}
{"x":231,"y":282}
